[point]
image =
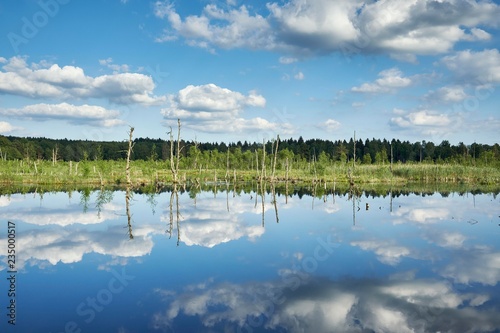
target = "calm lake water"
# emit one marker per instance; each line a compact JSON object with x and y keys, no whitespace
{"x":240,"y":262}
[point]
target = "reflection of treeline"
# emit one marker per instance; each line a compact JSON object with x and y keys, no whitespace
{"x":299,"y":190}
{"x":242,"y":154}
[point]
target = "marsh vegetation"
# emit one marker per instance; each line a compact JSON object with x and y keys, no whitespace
{"x":140,"y":162}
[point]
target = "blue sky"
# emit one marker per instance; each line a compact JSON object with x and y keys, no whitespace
{"x":233,"y":70}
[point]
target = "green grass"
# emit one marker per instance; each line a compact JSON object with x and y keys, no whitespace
{"x":149,"y":172}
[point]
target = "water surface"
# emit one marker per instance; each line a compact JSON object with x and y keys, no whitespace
{"x":226,"y":261}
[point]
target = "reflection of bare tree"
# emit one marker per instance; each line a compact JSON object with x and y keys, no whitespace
{"x":84,"y":199}
{"x":274,"y":202}
{"x":256,"y":195}
{"x":333,"y":197}
{"x":215,"y":187}
{"x":262,"y":195}
{"x":354,"y":194}
{"x":353,"y":211}
{"x":234,"y":185}
{"x":151,"y":199}
{"x":174,"y":196}
{"x":286,"y":185}
{"x":391,"y":200}
{"x":103,"y":197}
{"x":261,"y":191}
{"x":127,"y":209}
{"x":315,"y":185}
{"x":177,"y":210}
{"x":171,"y":212}
{"x":193,"y":192}
{"x":227,"y":195}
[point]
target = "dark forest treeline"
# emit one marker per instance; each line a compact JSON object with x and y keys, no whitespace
{"x":374,"y":151}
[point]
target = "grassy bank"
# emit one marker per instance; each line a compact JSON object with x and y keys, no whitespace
{"x":103,"y":173}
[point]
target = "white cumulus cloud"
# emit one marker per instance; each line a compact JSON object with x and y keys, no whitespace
{"x":75,"y":114}
{"x":479,"y":68}
{"x":299,"y":76}
{"x":480,"y":265}
{"x":330,"y":125}
{"x":237,"y":27}
{"x":41,"y":80}
{"x":451,"y":94}
{"x":390,"y":80}
{"x":210,"y":108}
{"x":6,"y":127}
{"x":389,"y":254}
{"x":427,"y":122}
{"x":319,"y":305}
{"x":108,"y":62}
{"x":302,"y":28}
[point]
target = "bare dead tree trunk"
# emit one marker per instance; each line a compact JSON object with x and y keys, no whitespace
{"x":272,"y":152}
{"x":391,"y":157}
{"x":54,"y":154}
{"x":227,"y":165}
{"x":129,"y":153}
{"x":286,"y":168}
{"x":286,"y":181}
{"x":3,"y":156}
{"x":178,"y":145}
{"x":174,"y":164}
{"x":275,"y":156}
{"x":314,"y":166}
{"x":263,"y":170}
{"x":196,"y":143}
{"x":257,"y":162}
{"x":354,"y":151}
